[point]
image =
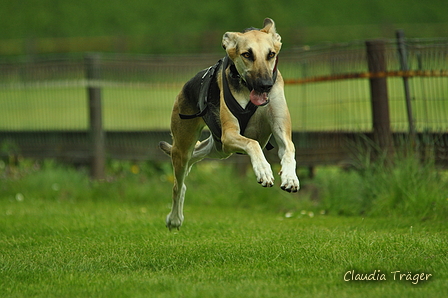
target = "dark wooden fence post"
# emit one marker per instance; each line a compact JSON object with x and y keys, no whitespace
{"x":98,"y":156}
{"x":376,"y":59}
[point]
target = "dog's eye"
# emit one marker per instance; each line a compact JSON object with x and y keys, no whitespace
{"x":246,"y":55}
{"x":271,"y":55}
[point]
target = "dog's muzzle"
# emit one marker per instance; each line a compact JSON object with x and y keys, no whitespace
{"x":259,"y":94}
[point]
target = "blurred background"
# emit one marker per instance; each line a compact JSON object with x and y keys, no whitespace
{"x":175,"y":26}
{"x":146,"y":50}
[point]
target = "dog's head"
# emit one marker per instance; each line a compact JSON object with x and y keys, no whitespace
{"x":254,"y":53}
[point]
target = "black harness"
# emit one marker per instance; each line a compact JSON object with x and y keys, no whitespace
{"x":204,"y":92}
{"x":242,"y":114}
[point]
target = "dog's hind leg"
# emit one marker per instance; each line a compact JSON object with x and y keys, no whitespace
{"x":185,"y":135}
{"x":207,"y":148}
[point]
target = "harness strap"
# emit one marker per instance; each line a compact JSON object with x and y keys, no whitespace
{"x":203,"y":92}
{"x":243,"y":115}
{"x":198,"y":114}
{"x":274,"y":72}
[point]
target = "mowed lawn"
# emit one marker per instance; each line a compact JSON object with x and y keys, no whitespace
{"x":62,"y":235}
{"x":328,"y":106}
{"x":104,"y":249}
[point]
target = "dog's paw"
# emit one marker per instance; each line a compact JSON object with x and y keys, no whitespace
{"x":264,"y":175}
{"x":290,"y":183}
{"x":174,"y":222}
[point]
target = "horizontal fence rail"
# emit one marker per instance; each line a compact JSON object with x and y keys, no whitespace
{"x":370,"y":75}
{"x":44,"y":100}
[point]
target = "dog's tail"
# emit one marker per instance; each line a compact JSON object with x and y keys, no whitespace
{"x":165,"y":147}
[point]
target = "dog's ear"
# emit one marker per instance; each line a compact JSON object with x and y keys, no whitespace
{"x":269,"y":27}
{"x":229,"y":40}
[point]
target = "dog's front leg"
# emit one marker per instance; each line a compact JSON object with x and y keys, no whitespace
{"x":288,"y":175}
{"x":234,"y":142}
{"x":286,"y":152}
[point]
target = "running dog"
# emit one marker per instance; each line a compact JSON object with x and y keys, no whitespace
{"x":241,"y":99}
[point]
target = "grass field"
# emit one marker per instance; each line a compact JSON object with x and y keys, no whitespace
{"x":62,"y":235}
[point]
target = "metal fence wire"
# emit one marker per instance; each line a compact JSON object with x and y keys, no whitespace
{"x":332,"y":81}
{"x":44,"y":102}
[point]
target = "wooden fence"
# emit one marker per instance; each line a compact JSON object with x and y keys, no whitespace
{"x":313,"y":148}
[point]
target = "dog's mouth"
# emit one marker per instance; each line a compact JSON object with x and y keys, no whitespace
{"x":259,"y":98}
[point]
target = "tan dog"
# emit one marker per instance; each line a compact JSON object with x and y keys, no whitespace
{"x":241,"y":99}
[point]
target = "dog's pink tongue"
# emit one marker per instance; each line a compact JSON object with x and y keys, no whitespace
{"x":258,"y":99}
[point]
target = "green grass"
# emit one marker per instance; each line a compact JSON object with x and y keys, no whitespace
{"x":408,"y":188}
{"x":106,"y":249}
{"x":146,"y":27}
{"x":62,"y":235}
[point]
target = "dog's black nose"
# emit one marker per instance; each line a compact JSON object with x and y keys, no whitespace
{"x":266,"y":88}
{"x":265,"y":85}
